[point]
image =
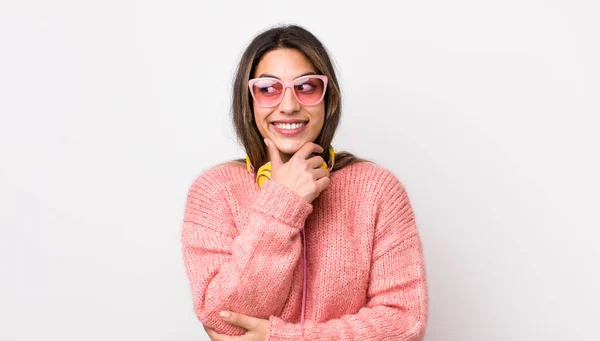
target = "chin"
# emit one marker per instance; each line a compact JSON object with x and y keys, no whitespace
{"x":289,"y":146}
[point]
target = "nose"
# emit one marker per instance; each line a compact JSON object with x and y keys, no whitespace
{"x":289,"y":104}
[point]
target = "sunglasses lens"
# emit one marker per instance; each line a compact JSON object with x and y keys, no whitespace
{"x":309,"y":90}
{"x":267,"y":91}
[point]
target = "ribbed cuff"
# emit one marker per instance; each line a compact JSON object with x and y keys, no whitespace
{"x":284,"y":204}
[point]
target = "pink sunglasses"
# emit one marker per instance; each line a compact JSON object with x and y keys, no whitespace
{"x":268,"y":92}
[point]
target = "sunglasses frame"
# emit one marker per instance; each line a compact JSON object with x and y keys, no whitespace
{"x":286,"y":85}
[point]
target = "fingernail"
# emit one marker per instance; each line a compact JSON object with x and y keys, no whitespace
{"x":224,"y":314}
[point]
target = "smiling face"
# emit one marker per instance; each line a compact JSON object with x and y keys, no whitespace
{"x":304,"y":122}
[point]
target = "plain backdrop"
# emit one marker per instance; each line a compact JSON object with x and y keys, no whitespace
{"x":486,"y":111}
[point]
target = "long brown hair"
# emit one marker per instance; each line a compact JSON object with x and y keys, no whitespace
{"x":292,"y":37}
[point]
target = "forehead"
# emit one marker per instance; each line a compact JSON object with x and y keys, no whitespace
{"x":285,"y":64}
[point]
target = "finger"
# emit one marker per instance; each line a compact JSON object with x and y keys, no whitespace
{"x":207,"y":328}
{"x":322,"y":183}
{"x":273,"y":154}
{"x":214,"y":336}
{"x":241,"y":320}
{"x":319,"y":173}
{"x":308,"y":148}
{"x":316,"y":161}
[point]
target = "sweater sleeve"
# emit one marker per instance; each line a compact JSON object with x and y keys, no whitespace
{"x":247,"y":271}
{"x":397,"y":304}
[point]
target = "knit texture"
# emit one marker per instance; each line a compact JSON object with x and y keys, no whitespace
{"x":242,"y":249}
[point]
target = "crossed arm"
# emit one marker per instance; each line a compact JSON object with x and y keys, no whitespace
{"x":248,"y":273}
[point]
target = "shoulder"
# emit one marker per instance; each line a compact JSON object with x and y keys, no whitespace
{"x":370,"y":177}
{"x":390,"y":199}
{"x":219,"y":177}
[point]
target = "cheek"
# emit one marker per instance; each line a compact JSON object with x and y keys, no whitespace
{"x":260,"y":115}
{"x":318,"y":115}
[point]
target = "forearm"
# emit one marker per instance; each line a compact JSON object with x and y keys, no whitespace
{"x":254,"y":280}
{"x":376,"y":323}
{"x":251,"y":273}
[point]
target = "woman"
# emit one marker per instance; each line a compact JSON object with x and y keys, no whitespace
{"x":320,"y":245}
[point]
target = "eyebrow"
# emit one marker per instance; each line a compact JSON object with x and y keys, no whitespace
{"x":271,"y":76}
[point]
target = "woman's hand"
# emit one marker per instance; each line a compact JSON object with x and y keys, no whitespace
{"x":305,"y":177}
{"x":257,"y":328}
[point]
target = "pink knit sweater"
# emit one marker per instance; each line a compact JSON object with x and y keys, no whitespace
{"x":243,"y":251}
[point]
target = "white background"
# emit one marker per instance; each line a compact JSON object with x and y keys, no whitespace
{"x":486,"y":111}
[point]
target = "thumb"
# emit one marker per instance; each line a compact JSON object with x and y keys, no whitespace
{"x":273,"y":153}
{"x":240,"y":320}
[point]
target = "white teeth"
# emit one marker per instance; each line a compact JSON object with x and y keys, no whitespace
{"x":289,"y":126}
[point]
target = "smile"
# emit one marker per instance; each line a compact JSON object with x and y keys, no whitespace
{"x":289,"y":129}
{"x":289,"y":126}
